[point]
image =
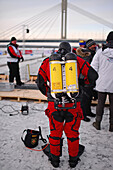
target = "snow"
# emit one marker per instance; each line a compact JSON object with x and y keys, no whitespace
{"x":14,"y":155}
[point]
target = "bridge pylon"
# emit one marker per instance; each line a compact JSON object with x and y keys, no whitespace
{"x":64,"y":19}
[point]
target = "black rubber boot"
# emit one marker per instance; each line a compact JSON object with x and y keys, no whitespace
{"x":54,"y":160}
{"x":73,"y":161}
{"x":91,"y":114}
{"x":86,"y":119}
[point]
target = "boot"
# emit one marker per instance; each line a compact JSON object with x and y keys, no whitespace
{"x":97,"y":125}
{"x":91,"y":114}
{"x":54,"y":160}
{"x":111,"y":128}
{"x":73,"y":161}
{"x":86,"y":119}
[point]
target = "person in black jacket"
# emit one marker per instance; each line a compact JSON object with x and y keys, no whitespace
{"x":91,"y":93}
{"x":13,"y":57}
{"x":91,"y":47}
{"x":85,"y":54}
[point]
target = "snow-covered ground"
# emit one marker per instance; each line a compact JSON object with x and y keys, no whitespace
{"x":14,"y":155}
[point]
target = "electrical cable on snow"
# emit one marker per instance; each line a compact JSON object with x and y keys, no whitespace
{"x":10,"y":112}
{"x":19,"y":111}
{"x":38,"y":149}
{"x":14,"y":110}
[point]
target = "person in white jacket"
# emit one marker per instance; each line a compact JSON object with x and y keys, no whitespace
{"x":103,"y":64}
{"x":13,"y":57}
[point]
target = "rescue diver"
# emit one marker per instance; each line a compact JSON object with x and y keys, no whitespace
{"x":67,"y":120}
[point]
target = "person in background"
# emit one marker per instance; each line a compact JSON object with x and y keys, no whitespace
{"x":103,"y":64}
{"x":84,"y":54}
{"x":13,"y":58}
{"x":89,"y":91}
{"x":91,"y":47}
{"x":67,"y":120}
{"x":82,"y":44}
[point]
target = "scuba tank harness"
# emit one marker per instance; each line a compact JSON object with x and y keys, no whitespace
{"x":63,"y":79}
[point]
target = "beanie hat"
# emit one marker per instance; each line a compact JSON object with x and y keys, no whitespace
{"x":13,"y":39}
{"x":110,"y":36}
{"x":90,"y":42}
{"x":82,"y":42}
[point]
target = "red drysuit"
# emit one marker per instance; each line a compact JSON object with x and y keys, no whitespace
{"x":67,"y":120}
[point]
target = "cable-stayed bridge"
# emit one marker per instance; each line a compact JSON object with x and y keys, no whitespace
{"x":51,"y":20}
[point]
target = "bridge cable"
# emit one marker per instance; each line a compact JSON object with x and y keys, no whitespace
{"x":90,"y":15}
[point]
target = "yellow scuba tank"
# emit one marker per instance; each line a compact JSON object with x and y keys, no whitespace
{"x":63,"y":75}
{"x":55,"y":74}
{"x":71,"y":73}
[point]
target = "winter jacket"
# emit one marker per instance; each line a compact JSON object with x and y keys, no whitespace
{"x":86,"y":55}
{"x":14,"y":55}
{"x":103,"y":64}
{"x":83,"y":53}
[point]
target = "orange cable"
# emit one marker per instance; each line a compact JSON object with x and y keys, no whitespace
{"x":38,"y":150}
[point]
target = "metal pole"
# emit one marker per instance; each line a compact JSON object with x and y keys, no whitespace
{"x":64,"y":20}
{"x":23,"y":39}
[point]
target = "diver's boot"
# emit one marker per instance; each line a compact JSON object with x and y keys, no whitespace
{"x":73,"y":161}
{"x":55,"y":160}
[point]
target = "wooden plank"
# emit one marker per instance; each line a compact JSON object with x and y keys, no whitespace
{"x":3,"y":77}
{"x":24,"y":94}
{"x":33,"y":77}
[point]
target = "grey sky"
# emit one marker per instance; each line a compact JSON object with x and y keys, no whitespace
{"x":13,"y":12}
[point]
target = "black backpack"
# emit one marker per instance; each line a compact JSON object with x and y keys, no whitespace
{"x":32,"y":137}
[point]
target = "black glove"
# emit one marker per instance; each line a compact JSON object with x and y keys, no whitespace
{"x":18,"y":59}
{"x":22,"y":59}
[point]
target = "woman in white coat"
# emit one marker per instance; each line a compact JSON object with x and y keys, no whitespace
{"x":103,"y":64}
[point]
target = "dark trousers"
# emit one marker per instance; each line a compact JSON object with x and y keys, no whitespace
{"x":14,"y":72}
{"x":86,"y":100}
{"x":100,"y":106}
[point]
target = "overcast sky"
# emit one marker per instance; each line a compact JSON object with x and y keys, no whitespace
{"x":13,"y":12}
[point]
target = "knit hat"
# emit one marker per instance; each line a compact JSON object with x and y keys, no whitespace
{"x":90,"y":42}
{"x":13,"y":39}
{"x":110,"y":36}
{"x":82,"y":42}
